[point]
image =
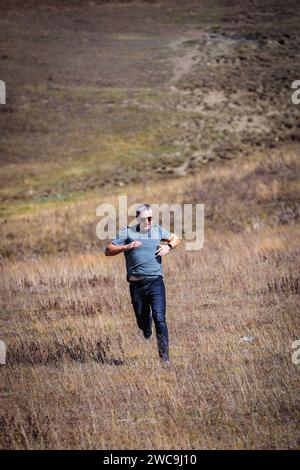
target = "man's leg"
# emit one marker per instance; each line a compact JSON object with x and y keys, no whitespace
{"x":141,"y":309}
{"x":156,"y":294}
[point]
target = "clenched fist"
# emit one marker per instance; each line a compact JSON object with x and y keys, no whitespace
{"x":134,"y":244}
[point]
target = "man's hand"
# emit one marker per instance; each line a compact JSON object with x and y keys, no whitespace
{"x":134,"y":244}
{"x":113,"y":250}
{"x":163,"y":250}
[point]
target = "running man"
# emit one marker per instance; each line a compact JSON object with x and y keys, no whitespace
{"x":143,"y":255}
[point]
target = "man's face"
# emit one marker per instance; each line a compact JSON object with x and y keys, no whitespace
{"x":145,"y":224}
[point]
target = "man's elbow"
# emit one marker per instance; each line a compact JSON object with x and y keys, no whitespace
{"x":107,"y":251}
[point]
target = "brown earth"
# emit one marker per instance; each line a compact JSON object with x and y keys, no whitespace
{"x":101,"y":94}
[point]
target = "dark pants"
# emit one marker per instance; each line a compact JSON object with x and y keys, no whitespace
{"x":148,"y":298}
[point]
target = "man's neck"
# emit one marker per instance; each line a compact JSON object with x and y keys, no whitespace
{"x":138,"y":229}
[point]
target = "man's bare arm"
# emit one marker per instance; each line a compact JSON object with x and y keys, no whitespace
{"x":113,"y":250}
{"x":164,"y":249}
{"x":174,"y":240}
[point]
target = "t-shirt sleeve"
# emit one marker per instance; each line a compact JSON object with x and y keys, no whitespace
{"x":165,"y":234}
{"x":121,"y":237}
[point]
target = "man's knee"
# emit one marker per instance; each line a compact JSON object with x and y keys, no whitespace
{"x":161,"y":324}
{"x":159,"y":315}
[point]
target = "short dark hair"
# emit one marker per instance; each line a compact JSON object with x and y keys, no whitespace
{"x":142,"y":208}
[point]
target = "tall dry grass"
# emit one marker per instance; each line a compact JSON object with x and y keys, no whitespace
{"x":80,"y":375}
{"x":239,"y":195}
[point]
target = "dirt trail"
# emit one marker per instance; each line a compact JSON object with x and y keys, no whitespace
{"x":183,"y":59}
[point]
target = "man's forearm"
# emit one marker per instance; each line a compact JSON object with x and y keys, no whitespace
{"x":112,"y":250}
{"x":174,"y":240}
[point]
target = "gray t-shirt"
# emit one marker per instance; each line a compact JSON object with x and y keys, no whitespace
{"x":141,"y":261}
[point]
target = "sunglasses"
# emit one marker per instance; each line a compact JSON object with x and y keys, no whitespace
{"x":144,"y":219}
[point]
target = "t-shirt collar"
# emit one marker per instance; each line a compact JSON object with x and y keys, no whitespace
{"x":148,"y":231}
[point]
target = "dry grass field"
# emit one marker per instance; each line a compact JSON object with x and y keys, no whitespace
{"x":79,"y":374}
{"x":154,"y":110}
